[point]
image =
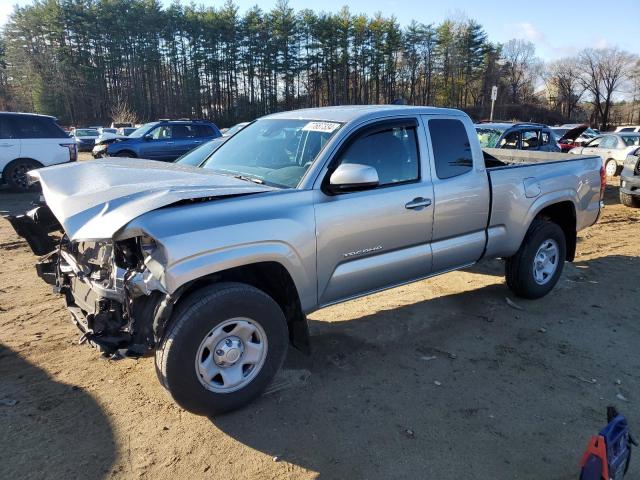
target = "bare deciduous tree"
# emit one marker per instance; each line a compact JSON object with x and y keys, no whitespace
{"x":603,"y":72}
{"x":562,"y":79}
{"x":121,"y":113}
{"x":521,"y":69}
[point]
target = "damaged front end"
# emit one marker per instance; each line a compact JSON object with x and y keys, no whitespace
{"x":113,"y":297}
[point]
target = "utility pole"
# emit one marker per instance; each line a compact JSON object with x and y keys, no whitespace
{"x":494,"y":95}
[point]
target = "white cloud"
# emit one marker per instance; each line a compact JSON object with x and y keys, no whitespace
{"x":531,"y":33}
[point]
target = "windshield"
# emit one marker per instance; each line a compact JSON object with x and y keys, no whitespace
{"x":273,"y":151}
{"x":199,"y":154}
{"x":140,"y":132}
{"x":86,"y":132}
{"x":631,"y":140}
{"x":488,"y":137}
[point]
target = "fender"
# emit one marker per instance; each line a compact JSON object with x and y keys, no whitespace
{"x":186,"y":270}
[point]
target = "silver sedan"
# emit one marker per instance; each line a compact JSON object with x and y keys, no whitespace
{"x":613,"y":148}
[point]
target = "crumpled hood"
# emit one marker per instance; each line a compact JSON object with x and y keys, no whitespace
{"x":92,"y":200}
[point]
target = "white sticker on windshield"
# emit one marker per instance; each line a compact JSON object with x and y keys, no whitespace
{"x":327,"y":127}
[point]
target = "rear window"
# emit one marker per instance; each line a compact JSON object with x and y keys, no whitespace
{"x":36,"y":127}
{"x":451,"y":147}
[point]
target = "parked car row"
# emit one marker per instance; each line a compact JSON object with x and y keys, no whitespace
{"x":613,"y":148}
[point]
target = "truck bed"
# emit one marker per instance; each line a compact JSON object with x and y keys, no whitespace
{"x":495,"y":158}
{"x":524,"y":182}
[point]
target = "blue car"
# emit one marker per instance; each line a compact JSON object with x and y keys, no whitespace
{"x":164,"y":140}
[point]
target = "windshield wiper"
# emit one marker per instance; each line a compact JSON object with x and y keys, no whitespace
{"x":249,"y":179}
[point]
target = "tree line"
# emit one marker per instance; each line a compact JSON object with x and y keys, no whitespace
{"x":88,"y":61}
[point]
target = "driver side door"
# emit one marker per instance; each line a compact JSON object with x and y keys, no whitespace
{"x":379,"y":237}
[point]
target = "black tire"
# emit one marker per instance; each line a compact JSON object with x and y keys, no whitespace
{"x":629,"y":200}
{"x":195,"y":317}
{"x":15,"y":174}
{"x":126,"y":154}
{"x":519,"y":269}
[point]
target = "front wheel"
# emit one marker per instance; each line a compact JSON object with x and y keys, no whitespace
{"x":536,"y":267}
{"x":225,"y":344}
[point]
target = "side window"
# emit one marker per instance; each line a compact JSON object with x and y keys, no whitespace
{"x":203,"y":131}
{"x":530,"y":139}
{"x":161,"y":133}
{"x":451,"y":147}
{"x":36,"y":127}
{"x":392,"y":152}
{"x":182,"y":131}
{"x":626,"y":129}
{"x":510,"y":140}
{"x":608,"y":142}
{"x":595,"y":143}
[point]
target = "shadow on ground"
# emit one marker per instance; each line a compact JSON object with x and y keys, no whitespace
{"x":427,"y":390}
{"x":49,"y":429}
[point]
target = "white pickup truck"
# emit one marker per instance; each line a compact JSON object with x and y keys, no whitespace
{"x":215,"y":268}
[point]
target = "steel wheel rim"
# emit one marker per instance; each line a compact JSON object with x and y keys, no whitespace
{"x":231,"y":355}
{"x":19,"y":175}
{"x":545,"y":261}
{"x":611,"y":168}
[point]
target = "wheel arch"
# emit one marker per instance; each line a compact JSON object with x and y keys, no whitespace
{"x":17,"y":160}
{"x":129,"y":152}
{"x":563,"y":214}
{"x":271,"y":277}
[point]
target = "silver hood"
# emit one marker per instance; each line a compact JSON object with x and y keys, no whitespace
{"x":94,"y":199}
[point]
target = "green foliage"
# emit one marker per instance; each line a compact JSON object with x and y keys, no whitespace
{"x":80,"y":59}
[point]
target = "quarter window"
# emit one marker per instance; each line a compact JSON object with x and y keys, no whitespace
{"x":451,"y":147}
{"x":393,"y":152}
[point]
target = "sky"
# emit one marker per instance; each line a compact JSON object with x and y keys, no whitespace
{"x":558,"y":29}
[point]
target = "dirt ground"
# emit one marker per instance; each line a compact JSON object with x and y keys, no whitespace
{"x":439,"y":379}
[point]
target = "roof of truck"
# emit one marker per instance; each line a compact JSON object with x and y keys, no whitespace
{"x":348,"y":113}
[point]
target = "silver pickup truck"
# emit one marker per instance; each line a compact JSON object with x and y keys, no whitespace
{"x":215,"y":268}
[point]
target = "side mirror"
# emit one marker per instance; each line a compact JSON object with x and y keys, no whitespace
{"x":350,"y":177}
{"x":148,"y":137}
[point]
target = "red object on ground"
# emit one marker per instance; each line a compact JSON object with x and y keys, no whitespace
{"x":598,"y":448}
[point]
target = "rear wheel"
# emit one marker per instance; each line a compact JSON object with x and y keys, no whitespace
{"x":629,"y":200}
{"x":536,"y":267}
{"x":225,"y":344}
{"x":15,"y":174}
{"x":611,"y":168}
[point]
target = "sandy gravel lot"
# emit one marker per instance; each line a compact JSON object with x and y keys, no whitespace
{"x":439,"y":379}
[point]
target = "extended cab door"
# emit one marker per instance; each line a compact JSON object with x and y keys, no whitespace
{"x":376,"y":238}
{"x":461,"y":189}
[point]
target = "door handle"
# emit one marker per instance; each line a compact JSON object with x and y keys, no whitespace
{"x":197,"y":141}
{"x":418,"y":203}
{"x":169,"y":143}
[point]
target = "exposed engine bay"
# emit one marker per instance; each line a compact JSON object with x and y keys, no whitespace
{"x":113,"y":298}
